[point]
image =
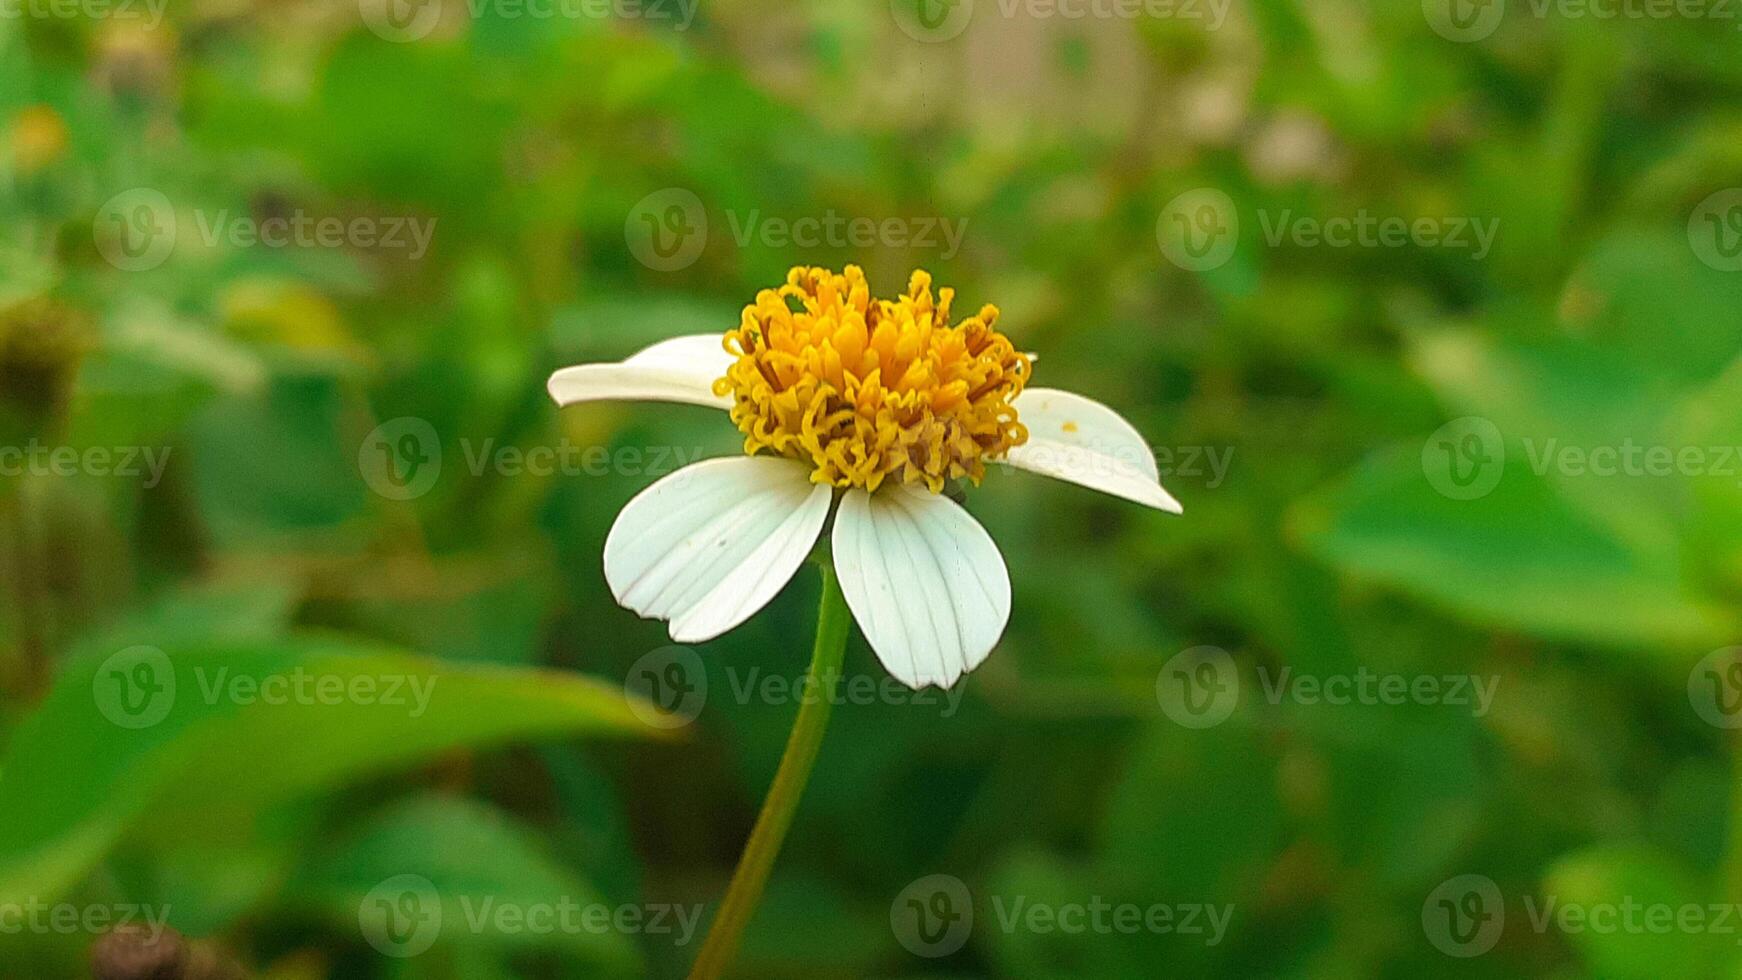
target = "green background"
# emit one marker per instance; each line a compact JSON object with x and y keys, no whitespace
{"x":1600,"y":773}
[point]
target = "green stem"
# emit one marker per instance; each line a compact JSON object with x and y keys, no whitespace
{"x":782,"y":802}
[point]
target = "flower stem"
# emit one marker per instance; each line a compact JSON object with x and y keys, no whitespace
{"x":789,"y":781}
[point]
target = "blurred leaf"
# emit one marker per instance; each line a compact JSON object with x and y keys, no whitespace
{"x":277,"y":463}
{"x":1636,"y":289}
{"x":1518,"y":557}
{"x":76,"y":778}
{"x":489,"y":873}
{"x":1194,"y":815}
{"x":1603,"y":900}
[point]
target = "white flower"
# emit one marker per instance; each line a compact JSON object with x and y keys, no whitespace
{"x":865,"y":408}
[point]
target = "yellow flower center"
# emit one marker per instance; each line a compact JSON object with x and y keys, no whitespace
{"x":863,"y":389}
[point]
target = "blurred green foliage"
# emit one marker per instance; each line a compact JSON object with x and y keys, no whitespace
{"x":1318,"y":374}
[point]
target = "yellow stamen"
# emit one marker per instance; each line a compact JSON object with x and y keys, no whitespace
{"x":863,"y":389}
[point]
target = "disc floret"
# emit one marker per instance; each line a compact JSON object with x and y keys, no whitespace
{"x":867,"y":389}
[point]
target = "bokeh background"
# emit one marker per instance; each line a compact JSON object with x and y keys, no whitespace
{"x":1390,"y":452}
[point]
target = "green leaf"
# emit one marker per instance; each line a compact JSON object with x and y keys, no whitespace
{"x":492,"y":879}
{"x":1520,"y":557}
{"x":196,"y":736}
{"x":1554,"y":403}
{"x":1710,"y":425}
{"x":1194,"y":813}
{"x":1603,"y":901}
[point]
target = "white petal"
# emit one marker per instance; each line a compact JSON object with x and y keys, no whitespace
{"x":710,"y":544}
{"x":1081,"y":440}
{"x":924,"y":580}
{"x":682,"y":369}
